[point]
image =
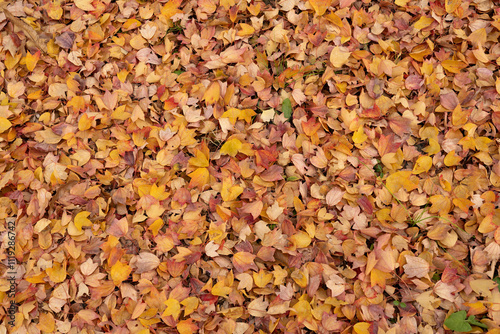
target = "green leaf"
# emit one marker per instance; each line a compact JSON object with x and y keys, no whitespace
{"x":396,"y":303}
{"x":472,"y":320}
{"x":287,"y":108}
{"x":403,"y":305}
{"x":456,"y":322}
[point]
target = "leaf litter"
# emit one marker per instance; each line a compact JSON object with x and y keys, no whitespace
{"x":233,"y":167}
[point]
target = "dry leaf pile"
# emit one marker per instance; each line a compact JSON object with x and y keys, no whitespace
{"x":224,"y":166}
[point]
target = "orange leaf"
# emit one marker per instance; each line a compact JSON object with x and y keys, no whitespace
{"x":200,"y":159}
{"x":171,"y":8}
{"x":212,"y":94}
{"x":57,"y":273}
{"x":459,"y":116}
{"x":199,"y":178}
{"x":453,"y":66}
{"x":120,"y":272}
{"x":32,"y":60}
{"x":320,"y":6}
{"x":187,"y":327}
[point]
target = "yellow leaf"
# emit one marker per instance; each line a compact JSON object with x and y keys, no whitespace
{"x":459,"y":116}
{"x":433,"y":147}
{"x":423,"y":22}
{"x":35,"y":95}
{"x":231,"y":147}
{"x":84,"y":5}
{"x":77,"y":102}
{"x":227,"y":3}
{"x":230,"y":192}
{"x":171,"y":8}
{"x":302,"y":309}
{"x":199,"y":160}
{"x":301,"y":239}
{"x":137,"y":42}
{"x":378,"y":277}
{"x":57,"y":273}
{"x":54,"y":10}
{"x":37,"y":278}
{"x":159,"y":192}
{"x":476,"y":308}
{"x":453,"y":66}
{"x":362,"y":328}
{"x":320,"y":6}
{"x":199,"y":178}
{"x":46,"y":322}
{"x":81,"y":219}
{"x":173,"y":308}
{"x":120,"y":272}
{"x":359,"y":136}
{"x":422,"y":165}
{"x":131,"y":24}
{"x":156,"y":226}
{"x":452,"y":5}
{"x":300,"y":278}
{"x":84,"y":123}
{"x":11,"y":61}
{"x":463,"y":204}
{"x":400,"y":179}
{"x":440,"y":204}
{"x":487,"y":225}
{"x":219,"y":289}
{"x":262,"y":278}
{"x":232,"y":114}
{"x":212,"y":94}
{"x":247,"y":115}
{"x":452,"y":159}
{"x":339,"y":56}
{"x":32,"y":60}
{"x":191,"y":304}
{"x":335,"y":19}
{"x":246,"y":30}
{"x":401,"y":3}
{"x":5,"y":124}
{"x":482,"y":143}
